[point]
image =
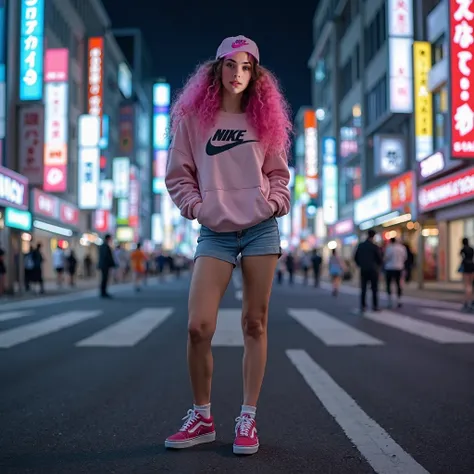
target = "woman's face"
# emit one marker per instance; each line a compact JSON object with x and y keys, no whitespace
{"x":236,"y":72}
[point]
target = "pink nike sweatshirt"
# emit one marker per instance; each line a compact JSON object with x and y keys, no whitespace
{"x":225,"y":180}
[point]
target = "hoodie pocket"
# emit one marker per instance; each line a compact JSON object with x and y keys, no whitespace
{"x":231,"y":210}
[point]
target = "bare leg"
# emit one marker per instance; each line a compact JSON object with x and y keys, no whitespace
{"x":209,"y":282}
{"x":257,"y":274}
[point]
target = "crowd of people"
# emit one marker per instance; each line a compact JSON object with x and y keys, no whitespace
{"x":394,"y":262}
{"x":122,"y":265}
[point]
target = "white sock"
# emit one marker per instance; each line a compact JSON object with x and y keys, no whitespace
{"x":248,"y":410}
{"x":203,"y":410}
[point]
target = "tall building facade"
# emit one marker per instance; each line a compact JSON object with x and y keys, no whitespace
{"x":382,"y":92}
{"x":67,"y":83}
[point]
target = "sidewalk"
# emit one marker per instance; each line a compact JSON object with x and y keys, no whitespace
{"x":51,"y":288}
{"x":433,"y":290}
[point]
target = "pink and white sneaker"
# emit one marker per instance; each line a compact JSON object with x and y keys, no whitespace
{"x":195,"y":430}
{"x":246,"y":439}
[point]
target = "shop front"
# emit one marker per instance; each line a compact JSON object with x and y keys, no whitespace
{"x":446,"y":207}
{"x":391,"y":211}
{"x":15,"y":221}
{"x":55,"y":223}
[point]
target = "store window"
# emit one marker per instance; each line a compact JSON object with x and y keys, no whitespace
{"x":457,"y":231}
{"x":440,"y":47}
{"x":440,"y":105}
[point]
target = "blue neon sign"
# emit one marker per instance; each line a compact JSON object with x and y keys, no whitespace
{"x":31,"y":49}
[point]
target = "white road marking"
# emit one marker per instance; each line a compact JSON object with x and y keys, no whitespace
{"x":129,"y":331}
{"x":229,"y":329}
{"x":14,"y":315}
{"x":430,"y":331}
{"x":331,"y":330}
{"x":449,"y":315}
{"x":25,"y":333}
{"x":373,"y":442}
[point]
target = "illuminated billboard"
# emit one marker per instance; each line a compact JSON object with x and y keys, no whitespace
{"x":56,"y":120}
{"x":95,"y":59}
{"x":31,"y":49}
{"x":161,"y":136}
{"x":461,"y":19}
{"x":89,"y":162}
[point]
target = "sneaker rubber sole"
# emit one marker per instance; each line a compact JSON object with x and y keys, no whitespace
{"x":245,"y":449}
{"x":188,"y":443}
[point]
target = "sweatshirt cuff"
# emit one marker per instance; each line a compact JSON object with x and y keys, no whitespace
{"x":196,"y":209}
{"x":274,"y":205}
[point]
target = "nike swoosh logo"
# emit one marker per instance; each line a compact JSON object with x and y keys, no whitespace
{"x":212,"y":150}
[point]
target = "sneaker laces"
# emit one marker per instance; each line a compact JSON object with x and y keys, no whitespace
{"x":190,"y":418}
{"x":244,"y":425}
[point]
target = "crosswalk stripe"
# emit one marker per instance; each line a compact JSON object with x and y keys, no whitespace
{"x":430,"y":331}
{"x":330,"y":330}
{"x":14,"y":315}
{"x":128,"y":331}
{"x":229,"y":329}
{"x":373,"y":442}
{"x":27,"y":332}
{"x":449,"y":315}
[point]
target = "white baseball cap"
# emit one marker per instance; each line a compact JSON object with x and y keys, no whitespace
{"x":234,"y":44}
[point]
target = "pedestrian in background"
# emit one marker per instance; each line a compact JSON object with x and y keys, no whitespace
{"x":368,"y":257}
{"x":336,"y":270}
{"x":395,"y":258}
{"x":316,"y":261}
{"x":467,"y":270}
{"x":106,"y":262}
{"x":228,"y":169}
{"x":3,"y":271}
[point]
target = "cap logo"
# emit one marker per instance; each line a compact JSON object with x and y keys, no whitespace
{"x":239,"y":43}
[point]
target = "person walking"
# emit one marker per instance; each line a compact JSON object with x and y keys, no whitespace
{"x":106,"y":262}
{"x":467,"y":270}
{"x":368,"y":257}
{"x":395,"y":258}
{"x":228,"y":169}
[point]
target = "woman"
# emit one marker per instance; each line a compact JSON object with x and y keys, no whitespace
{"x":467,"y":270}
{"x":71,"y":267}
{"x":336,"y":270}
{"x":228,"y":169}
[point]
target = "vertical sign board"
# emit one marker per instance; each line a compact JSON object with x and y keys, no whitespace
{"x":2,"y":76}
{"x":31,"y":142}
{"x":461,"y":58}
{"x":56,"y":120}
{"x":329,"y":181}
{"x":95,"y":95}
{"x":311,"y":153}
{"x":31,"y":49}
{"x":423,"y":100}
{"x":89,"y":162}
{"x":400,"y":39}
{"x":161,"y":121}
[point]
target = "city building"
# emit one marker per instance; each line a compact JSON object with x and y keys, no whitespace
{"x":71,"y":108}
{"x":381,"y":90}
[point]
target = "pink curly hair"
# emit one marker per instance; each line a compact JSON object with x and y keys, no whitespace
{"x":264,"y":104}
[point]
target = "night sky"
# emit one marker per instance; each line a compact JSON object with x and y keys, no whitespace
{"x":182,"y":33}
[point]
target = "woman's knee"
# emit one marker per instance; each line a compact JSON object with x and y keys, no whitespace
{"x":200,"y":330}
{"x":254,"y":322}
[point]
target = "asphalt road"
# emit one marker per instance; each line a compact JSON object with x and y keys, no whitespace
{"x":93,"y":386}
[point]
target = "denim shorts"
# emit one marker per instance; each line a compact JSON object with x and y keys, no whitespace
{"x":261,"y":239}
